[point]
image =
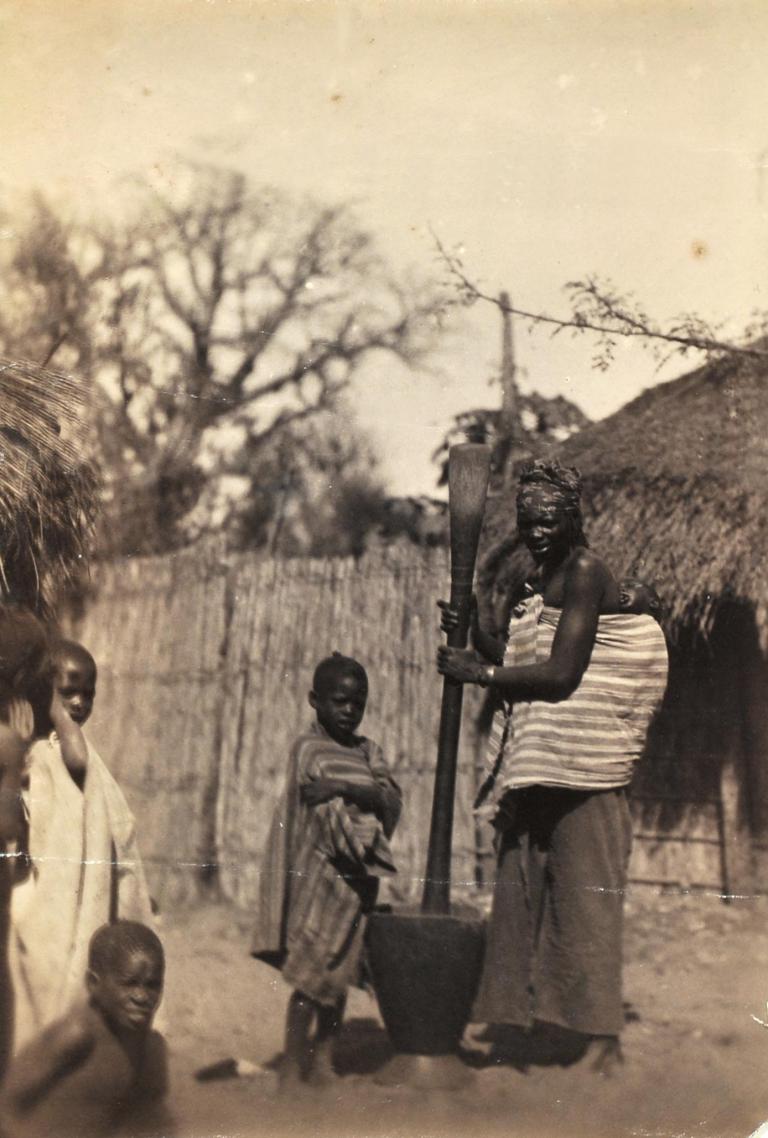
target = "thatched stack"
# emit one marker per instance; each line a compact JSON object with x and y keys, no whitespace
{"x":47,"y":488}
{"x":674,"y":491}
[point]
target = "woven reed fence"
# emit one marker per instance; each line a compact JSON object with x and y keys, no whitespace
{"x":204,"y":668}
{"x":205,"y":662}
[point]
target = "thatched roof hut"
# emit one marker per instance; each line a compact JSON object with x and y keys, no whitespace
{"x":675,"y":486}
{"x":47,"y":485}
{"x":675,"y":489}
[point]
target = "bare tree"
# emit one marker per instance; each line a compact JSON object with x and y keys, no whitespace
{"x":47,"y":287}
{"x":229,"y":309}
{"x":207,"y":312}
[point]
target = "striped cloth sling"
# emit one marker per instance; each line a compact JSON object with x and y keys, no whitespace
{"x":591,"y":740}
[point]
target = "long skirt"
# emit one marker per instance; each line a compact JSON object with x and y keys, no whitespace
{"x":554,"y":947}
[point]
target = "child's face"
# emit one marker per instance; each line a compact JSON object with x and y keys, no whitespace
{"x":340,"y":706}
{"x":129,"y":991}
{"x":639,"y":598}
{"x":75,"y":682}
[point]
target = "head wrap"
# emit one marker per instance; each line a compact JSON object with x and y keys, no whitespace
{"x":550,"y":480}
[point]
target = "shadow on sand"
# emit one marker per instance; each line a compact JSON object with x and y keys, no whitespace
{"x":542,"y":1045}
{"x":362,"y":1047}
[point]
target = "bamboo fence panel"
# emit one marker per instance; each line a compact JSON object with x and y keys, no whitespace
{"x":689,"y":856}
{"x":157,"y":630}
{"x":205,"y":662}
{"x":285,"y":618}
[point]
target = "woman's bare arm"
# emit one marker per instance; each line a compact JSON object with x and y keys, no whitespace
{"x":491,"y":648}
{"x":556,"y":678}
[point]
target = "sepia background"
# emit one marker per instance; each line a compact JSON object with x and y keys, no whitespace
{"x":292,"y":251}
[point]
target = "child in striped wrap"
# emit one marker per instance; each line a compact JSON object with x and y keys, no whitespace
{"x":327,"y":848}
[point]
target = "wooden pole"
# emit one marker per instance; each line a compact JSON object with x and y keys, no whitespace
{"x":509,"y":409}
{"x":468,"y":468}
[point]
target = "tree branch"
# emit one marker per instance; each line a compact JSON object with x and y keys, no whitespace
{"x":625,"y":324}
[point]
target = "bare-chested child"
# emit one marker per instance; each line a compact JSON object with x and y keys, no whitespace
{"x":327,"y":847}
{"x":102,"y":1065}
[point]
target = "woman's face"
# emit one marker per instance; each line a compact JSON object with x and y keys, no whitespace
{"x":545,"y":528}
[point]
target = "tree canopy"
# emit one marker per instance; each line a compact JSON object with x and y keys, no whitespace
{"x":205,"y":315}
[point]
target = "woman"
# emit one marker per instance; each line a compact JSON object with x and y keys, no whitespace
{"x":585,"y":682}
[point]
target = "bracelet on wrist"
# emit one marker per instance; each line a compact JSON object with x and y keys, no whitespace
{"x":486,"y":676}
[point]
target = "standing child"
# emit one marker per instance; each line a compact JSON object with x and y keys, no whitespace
{"x":102,"y":1064}
{"x":327,"y":848}
{"x":85,"y":864}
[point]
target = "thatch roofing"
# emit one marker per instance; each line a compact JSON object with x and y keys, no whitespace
{"x":675,"y":491}
{"x":47,"y":486}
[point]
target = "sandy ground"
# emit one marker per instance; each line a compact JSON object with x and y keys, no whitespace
{"x":696,"y":972}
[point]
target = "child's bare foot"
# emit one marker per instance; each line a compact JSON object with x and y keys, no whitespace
{"x":604,"y":1055}
{"x":289,"y":1079}
{"x":321,"y":1072}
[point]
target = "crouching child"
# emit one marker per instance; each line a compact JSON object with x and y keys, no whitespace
{"x":102,"y":1065}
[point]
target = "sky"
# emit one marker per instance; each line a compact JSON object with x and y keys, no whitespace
{"x":546,"y":140}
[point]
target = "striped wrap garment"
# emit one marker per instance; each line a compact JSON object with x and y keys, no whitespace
{"x":591,"y":740}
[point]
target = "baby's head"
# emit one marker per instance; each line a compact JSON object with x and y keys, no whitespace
{"x":640,"y":598}
{"x":339,"y":695}
{"x":126,"y":968}
{"x":74,"y":679}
